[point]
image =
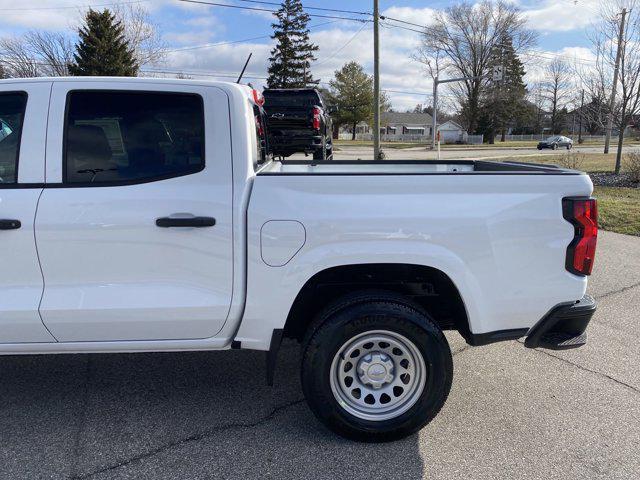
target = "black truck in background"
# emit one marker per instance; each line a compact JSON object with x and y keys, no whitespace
{"x":298,"y":122}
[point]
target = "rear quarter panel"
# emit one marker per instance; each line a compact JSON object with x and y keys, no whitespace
{"x":501,"y":238}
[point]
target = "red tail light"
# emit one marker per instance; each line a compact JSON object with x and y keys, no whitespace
{"x":583,"y":214}
{"x":259,"y":126}
{"x":316,"y":118}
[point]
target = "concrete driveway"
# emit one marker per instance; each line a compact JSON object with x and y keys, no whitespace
{"x":512,"y":412}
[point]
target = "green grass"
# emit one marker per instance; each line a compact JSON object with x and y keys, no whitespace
{"x":587,"y":162}
{"x":619,"y":209}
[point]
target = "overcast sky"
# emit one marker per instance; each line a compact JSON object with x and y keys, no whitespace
{"x":189,"y":30}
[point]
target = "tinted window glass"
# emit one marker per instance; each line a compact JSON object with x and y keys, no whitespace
{"x":291,"y":99}
{"x":12,"y":107}
{"x":114,"y":137}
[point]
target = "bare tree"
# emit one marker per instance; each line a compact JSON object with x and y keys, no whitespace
{"x":465,"y":35}
{"x":604,"y":39}
{"x":37,"y":53}
{"x":556,"y":90}
{"x":41,"y":53}
{"x":17,"y":59}
{"x":141,"y":33}
{"x":535,"y":97}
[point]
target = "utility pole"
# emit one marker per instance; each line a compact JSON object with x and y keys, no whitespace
{"x":434,"y":116}
{"x":496,"y":74}
{"x":616,"y":73}
{"x":376,"y":80}
{"x":581,"y":115}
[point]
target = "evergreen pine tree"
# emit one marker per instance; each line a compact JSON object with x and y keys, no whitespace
{"x":292,"y":56}
{"x":503,"y":102}
{"x":102,"y":49}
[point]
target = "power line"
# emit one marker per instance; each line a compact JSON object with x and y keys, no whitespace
{"x":342,"y":47}
{"x":541,"y":55}
{"x":231,"y":42}
{"x":258,"y":9}
{"x":306,"y":7}
{"x":26,"y":9}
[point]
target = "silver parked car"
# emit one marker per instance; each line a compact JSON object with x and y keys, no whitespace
{"x":556,"y":142}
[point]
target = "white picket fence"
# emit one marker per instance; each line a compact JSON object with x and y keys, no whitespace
{"x":405,"y":138}
{"x":470,"y":139}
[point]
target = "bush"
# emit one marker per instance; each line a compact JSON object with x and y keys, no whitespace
{"x":572,"y":160}
{"x":632,"y":165}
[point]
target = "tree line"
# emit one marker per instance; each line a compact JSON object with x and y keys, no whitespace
{"x":114,"y":42}
{"x":467,"y":40}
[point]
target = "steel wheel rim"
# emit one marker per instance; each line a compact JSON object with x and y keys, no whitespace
{"x":377,"y":375}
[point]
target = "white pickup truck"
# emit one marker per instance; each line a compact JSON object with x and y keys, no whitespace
{"x":142,"y":215}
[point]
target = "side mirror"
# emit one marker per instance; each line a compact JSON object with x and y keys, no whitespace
{"x":331,"y":109}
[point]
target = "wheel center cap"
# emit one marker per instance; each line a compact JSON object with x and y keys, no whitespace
{"x":377,"y":372}
{"x":375,"y":369}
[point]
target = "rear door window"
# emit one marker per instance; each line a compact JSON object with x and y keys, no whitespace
{"x":291,"y":99}
{"x":121,"y":137}
{"x":12,"y":108}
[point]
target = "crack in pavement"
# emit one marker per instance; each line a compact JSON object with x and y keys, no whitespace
{"x":193,"y":438}
{"x":615,"y":292}
{"x":211,"y":432}
{"x":203,"y":435}
{"x":582,"y":367}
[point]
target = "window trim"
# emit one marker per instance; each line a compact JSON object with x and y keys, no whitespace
{"x":25,"y":95}
{"x":134,"y":181}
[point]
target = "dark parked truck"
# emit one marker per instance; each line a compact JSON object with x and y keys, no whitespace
{"x":299,"y":122}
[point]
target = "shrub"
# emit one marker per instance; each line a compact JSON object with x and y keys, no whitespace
{"x":572,"y":160}
{"x":632,"y":165}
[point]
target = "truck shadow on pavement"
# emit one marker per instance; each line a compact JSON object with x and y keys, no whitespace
{"x":178,"y":415}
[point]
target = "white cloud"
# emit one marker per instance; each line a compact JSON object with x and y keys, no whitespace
{"x":562,"y":15}
{"x":339,"y":43}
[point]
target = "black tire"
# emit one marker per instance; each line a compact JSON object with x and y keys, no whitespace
{"x":539,"y":147}
{"x":355,"y":315}
{"x":569,"y":147}
{"x":319,"y":154}
{"x":554,"y":146}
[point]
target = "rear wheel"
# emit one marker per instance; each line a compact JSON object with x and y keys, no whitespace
{"x":322,"y":153}
{"x":376,"y":368}
{"x":554,"y":146}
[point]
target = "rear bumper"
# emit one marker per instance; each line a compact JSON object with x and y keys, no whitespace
{"x":564,"y":327}
{"x":288,"y":144}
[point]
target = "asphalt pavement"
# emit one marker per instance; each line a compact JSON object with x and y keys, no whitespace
{"x":359,"y":152}
{"x":512,"y":412}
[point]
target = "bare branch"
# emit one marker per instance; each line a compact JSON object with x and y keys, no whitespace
{"x":141,"y":33}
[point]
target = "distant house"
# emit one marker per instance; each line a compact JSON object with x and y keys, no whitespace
{"x":452,"y":132}
{"x":398,"y":123}
{"x":402,"y":123}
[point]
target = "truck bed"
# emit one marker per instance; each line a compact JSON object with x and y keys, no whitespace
{"x":409,"y":167}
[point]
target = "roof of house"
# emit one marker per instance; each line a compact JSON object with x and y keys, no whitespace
{"x":406,"y":118}
{"x":452,"y":125}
